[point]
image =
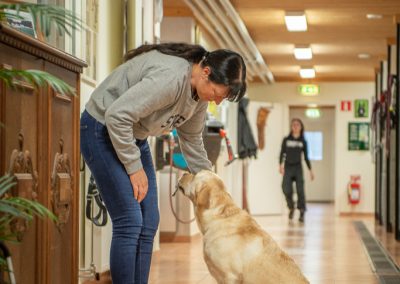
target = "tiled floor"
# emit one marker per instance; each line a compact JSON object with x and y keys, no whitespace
{"x":327,"y":248}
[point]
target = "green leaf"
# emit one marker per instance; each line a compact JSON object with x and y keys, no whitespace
{"x":11,"y":209}
{"x":37,"y":79}
{"x":33,"y":207}
{"x":6,"y":182}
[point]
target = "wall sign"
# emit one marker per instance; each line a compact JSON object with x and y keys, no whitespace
{"x":361,"y":108}
{"x":345,"y":105}
{"x":308,"y":90}
{"x":358,"y":136}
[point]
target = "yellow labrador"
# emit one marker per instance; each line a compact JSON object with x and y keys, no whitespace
{"x":236,"y":249}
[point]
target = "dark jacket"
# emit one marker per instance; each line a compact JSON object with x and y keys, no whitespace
{"x":247,"y":146}
{"x":291,"y":151}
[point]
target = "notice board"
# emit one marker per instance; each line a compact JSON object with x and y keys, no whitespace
{"x":358,"y":136}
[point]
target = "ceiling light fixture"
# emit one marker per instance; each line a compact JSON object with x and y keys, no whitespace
{"x":307,"y":73}
{"x":374,"y":16}
{"x":364,"y":56}
{"x":296,"y":21}
{"x":303,"y":52}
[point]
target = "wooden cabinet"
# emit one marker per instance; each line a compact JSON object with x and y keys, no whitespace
{"x":42,"y":128}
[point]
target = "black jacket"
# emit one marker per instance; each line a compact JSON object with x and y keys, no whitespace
{"x":247,"y":146}
{"x":291,"y":151}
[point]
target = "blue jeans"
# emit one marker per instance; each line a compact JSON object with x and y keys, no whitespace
{"x":134,"y":224}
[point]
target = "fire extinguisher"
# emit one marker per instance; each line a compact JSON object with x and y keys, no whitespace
{"x":354,"y":190}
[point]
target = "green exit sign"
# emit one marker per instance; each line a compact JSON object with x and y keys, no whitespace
{"x":309,"y":90}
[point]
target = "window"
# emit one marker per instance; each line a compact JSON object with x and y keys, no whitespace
{"x":55,"y":39}
{"x":315,"y":145}
{"x":90,"y":45}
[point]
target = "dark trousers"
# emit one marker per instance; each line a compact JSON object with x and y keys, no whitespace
{"x":294,"y":173}
{"x":134,"y":224}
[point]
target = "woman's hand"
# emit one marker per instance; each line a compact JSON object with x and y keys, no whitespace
{"x":281,"y":169}
{"x":140,"y":184}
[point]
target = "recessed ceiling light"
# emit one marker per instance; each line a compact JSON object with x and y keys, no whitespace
{"x":296,"y":21}
{"x":312,"y":105}
{"x":374,"y":16}
{"x":303,"y":52}
{"x":307,"y":73}
{"x":364,"y":56}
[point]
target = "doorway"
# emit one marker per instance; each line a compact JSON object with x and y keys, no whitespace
{"x":319,"y":124}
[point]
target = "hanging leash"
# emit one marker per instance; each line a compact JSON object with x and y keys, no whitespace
{"x":93,"y":194}
{"x":171,"y":146}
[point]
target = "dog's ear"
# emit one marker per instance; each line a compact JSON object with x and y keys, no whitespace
{"x":202,"y":197}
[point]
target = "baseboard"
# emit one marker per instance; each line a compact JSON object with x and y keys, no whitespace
{"x":171,"y":237}
{"x":167,"y":237}
{"x":356,"y":214}
{"x":105,"y":278}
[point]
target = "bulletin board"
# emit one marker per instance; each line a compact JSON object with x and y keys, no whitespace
{"x":358,"y":136}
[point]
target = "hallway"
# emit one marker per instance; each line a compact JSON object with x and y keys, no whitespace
{"x":327,"y":248}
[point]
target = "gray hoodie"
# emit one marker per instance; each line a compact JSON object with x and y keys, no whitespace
{"x":148,"y":96}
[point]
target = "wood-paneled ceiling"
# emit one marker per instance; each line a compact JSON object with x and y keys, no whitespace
{"x":338,"y":31}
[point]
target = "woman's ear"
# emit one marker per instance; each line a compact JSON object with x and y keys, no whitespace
{"x":206,"y":72}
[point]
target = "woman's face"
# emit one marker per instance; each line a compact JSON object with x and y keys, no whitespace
{"x":296,"y":127}
{"x":209,"y":91}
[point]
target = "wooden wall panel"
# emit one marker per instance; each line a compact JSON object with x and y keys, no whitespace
{"x":62,"y":240}
{"x":21,"y":118}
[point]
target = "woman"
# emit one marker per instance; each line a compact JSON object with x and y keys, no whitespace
{"x":290,"y":167}
{"x":158,"y":88}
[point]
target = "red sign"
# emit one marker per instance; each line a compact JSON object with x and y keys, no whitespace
{"x":345,"y":105}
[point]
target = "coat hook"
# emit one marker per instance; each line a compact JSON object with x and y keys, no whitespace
{"x":21,"y":141}
{"x":61,"y":145}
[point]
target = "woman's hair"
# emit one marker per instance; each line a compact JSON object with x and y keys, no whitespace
{"x":302,"y":126}
{"x":227,"y":67}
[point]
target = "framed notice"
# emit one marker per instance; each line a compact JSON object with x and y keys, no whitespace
{"x":358,"y":136}
{"x":21,"y":21}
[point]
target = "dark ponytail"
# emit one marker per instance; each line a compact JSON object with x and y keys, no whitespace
{"x":227,"y":67}
{"x":190,"y":52}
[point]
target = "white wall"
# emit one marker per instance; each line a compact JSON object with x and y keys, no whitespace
{"x":346,"y":162}
{"x":177,"y":29}
{"x":264,"y":188}
{"x":231,"y":174}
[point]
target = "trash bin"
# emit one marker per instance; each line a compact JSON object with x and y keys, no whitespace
{"x":212,"y":139}
{"x":212,"y":144}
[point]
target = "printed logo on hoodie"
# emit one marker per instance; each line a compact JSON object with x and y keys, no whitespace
{"x":294,"y":144}
{"x":173,"y":121}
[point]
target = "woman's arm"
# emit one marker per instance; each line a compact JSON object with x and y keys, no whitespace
{"x":152,"y":93}
{"x":191,"y":141}
{"x":305,"y":150}
{"x":282,"y":157}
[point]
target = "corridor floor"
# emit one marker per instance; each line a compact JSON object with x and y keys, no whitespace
{"x":327,"y":248}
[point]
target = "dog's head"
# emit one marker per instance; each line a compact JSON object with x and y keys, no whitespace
{"x":200,"y":187}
